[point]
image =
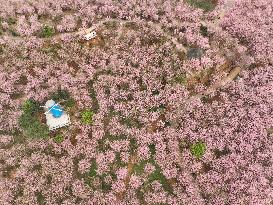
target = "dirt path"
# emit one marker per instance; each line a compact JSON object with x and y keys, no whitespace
{"x":157,"y":26}
{"x":215,"y":25}
{"x":132,"y":161}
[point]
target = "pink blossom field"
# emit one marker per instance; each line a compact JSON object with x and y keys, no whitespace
{"x":171,"y":103}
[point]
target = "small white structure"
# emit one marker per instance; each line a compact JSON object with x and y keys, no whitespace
{"x":90,"y":35}
{"x":55,"y":122}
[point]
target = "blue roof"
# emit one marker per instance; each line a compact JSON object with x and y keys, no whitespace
{"x":56,"y":111}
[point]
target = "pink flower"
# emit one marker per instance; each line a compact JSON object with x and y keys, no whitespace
{"x":122,"y":173}
{"x":118,"y":186}
{"x":149,"y":168}
{"x":135,"y":181}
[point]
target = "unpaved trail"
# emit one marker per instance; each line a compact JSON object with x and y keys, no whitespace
{"x":121,"y":22}
{"x":132,"y":161}
{"x":224,"y":81}
{"x":157,"y":26}
{"x":215,"y":25}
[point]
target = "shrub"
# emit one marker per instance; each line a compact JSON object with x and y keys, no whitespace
{"x":47,"y":32}
{"x":40,"y":198}
{"x":63,"y":95}
{"x":11,"y":21}
{"x":25,"y":120}
{"x":29,"y":121}
{"x":31,"y":106}
{"x":204,"y":31}
{"x":180,"y":79}
{"x":195,"y":53}
{"x":32,"y":127}
{"x":70,"y":102}
{"x":60,"y":95}
{"x":58,"y":138}
{"x":13,"y":32}
{"x":198,"y":149}
{"x":86,"y":116}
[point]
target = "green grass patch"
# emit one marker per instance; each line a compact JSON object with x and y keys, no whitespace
{"x":152,"y":149}
{"x":70,"y":102}
{"x":32,"y":127}
{"x":29,"y":120}
{"x":157,"y":175}
{"x":47,"y":32}
{"x":118,"y":162}
{"x":92,"y":175}
{"x":86,"y":116}
{"x":138,"y":168}
{"x":133,"y":146}
{"x":206,"y":5}
{"x":31,"y":106}
{"x":93,"y":169}
{"x":180,"y":79}
{"x":52,"y":50}
{"x":59,"y":138}
{"x":198,"y":149}
{"x":93,"y":94}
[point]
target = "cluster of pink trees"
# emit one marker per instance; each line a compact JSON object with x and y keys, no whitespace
{"x":138,"y":148}
{"x":252,"y":28}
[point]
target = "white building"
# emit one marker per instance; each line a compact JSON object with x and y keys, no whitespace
{"x":53,"y":122}
{"x":90,"y":35}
